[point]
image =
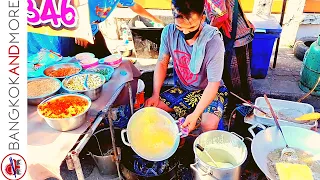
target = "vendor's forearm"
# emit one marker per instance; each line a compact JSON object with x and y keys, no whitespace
{"x":137,"y":8}
{"x":160,"y":74}
{"x":209,"y":94}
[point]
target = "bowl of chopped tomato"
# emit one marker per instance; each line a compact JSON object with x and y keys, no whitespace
{"x":62,"y":70}
{"x":65,"y":112}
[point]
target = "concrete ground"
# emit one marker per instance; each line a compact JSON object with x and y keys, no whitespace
{"x":282,"y":81}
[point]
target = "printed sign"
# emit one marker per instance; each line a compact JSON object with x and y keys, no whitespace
{"x":59,"y":18}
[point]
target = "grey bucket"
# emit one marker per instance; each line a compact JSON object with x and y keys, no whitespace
{"x":101,"y":151}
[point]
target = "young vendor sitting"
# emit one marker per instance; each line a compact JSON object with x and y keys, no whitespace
{"x":197,"y":51}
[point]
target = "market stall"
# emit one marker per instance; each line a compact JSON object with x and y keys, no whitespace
{"x":48,"y":147}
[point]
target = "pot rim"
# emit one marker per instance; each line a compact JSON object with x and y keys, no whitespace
{"x":269,"y":129}
{"x":198,"y":160}
{"x":60,"y":96}
{"x":177,"y":139}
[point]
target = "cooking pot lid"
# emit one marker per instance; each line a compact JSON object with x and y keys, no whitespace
{"x":153,"y":134}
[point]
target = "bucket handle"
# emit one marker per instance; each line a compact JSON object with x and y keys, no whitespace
{"x":241,"y":138}
{"x":250,"y":129}
{"x":123,"y":132}
{"x":193,"y":167}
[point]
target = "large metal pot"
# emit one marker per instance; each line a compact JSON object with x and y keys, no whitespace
{"x":135,"y":126}
{"x":226,"y":147}
{"x":66,"y":124}
{"x":270,"y":139}
{"x":100,"y":149}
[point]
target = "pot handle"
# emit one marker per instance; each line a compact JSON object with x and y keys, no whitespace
{"x":193,"y":167}
{"x":241,"y":138}
{"x":250,"y":129}
{"x":123,"y":132}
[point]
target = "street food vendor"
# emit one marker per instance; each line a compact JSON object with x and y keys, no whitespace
{"x":197,"y":51}
{"x":100,"y":10}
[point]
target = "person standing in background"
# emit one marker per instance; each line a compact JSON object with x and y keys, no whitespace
{"x":238,"y":33}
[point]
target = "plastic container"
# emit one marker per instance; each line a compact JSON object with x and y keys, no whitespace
{"x":105,"y":70}
{"x":267,"y":30}
{"x":148,"y":32}
{"x":112,"y":60}
{"x":139,"y":103}
{"x":84,"y":55}
{"x":289,"y":109}
{"x":88,"y":63}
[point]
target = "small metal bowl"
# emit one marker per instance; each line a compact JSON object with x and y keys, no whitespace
{"x":66,"y":124}
{"x":96,"y":69}
{"x":62,"y":65}
{"x":34,"y":101}
{"x":93,"y":94}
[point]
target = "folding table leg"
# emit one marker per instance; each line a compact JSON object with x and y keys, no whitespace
{"x":77,"y":165}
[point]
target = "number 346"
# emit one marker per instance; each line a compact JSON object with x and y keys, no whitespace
{"x":65,"y":14}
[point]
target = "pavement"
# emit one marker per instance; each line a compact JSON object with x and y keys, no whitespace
{"x":282,"y":81}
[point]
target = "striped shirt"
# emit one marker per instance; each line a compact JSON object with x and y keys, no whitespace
{"x":216,"y":9}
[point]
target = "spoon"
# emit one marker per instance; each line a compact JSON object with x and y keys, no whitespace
{"x":216,"y":164}
{"x":85,"y":83}
{"x":287,"y":151}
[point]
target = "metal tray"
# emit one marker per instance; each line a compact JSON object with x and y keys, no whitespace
{"x":283,"y":108}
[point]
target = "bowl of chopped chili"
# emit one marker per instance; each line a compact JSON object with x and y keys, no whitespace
{"x":62,"y":70}
{"x":65,"y":112}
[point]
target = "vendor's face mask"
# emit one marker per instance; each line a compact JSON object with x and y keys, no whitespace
{"x":191,"y":34}
{"x":188,"y":26}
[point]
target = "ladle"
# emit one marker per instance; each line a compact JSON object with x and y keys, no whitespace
{"x":216,"y":164}
{"x":287,"y":151}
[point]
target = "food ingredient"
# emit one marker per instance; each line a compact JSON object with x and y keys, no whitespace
{"x":304,"y":158}
{"x":286,"y":114}
{"x":63,"y":71}
{"x":222,"y":158}
{"x":42,"y":87}
{"x":289,"y":171}
{"x":151,"y":134}
{"x":63,"y":107}
{"x":75,"y":83}
{"x":104,"y":71}
{"x":309,"y":116}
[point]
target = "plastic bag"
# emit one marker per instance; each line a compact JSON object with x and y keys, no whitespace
{"x":62,"y":18}
{"x":38,"y":62}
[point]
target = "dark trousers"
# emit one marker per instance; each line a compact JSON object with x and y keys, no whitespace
{"x":99,"y":48}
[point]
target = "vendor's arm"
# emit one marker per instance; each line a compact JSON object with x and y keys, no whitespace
{"x":137,"y":8}
{"x":209,"y":94}
{"x":160,"y":71}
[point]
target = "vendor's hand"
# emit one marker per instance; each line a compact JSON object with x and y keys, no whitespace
{"x":153,"y":101}
{"x":190,"y":122}
{"x":81,"y":42}
{"x":156,"y":20}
